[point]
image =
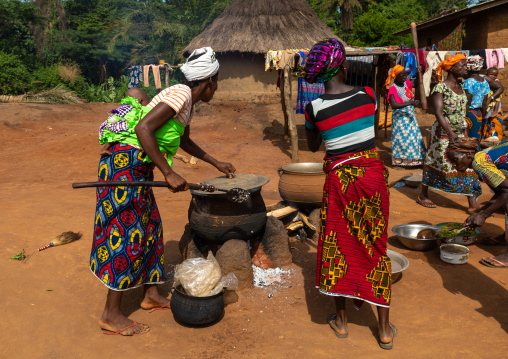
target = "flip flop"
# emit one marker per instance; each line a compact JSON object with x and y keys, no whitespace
{"x":424,"y":204}
{"x":168,"y":307}
{"x":493,"y":241}
{"x":146,"y":329}
{"x":331,"y":321}
{"x":389,"y":345}
{"x":485,"y":262}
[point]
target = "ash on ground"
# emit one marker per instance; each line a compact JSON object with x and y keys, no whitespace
{"x":270,"y":276}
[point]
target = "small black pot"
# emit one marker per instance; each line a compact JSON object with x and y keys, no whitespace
{"x":196,"y":310}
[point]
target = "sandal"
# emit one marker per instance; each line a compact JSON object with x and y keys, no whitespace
{"x":389,"y":345}
{"x":493,"y":263}
{"x":331,"y":321}
{"x":425,"y":203}
{"x":494,"y":241}
{"x":145,"y":329}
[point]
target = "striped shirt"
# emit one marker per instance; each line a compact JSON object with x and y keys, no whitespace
{"x":179,"y":98}
{"x":345,"y":121}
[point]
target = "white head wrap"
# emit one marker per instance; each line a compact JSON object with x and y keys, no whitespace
{"x":203,"y":67}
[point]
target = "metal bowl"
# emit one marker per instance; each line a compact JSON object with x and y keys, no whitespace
{"x":402,"y":261}
{"x":413,"y":181}
{"x":463,"y":240}
{"x":406,"y":233}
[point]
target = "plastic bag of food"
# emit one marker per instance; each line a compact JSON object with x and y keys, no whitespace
{"x":199,"y":277}
{"x":229,"y":281}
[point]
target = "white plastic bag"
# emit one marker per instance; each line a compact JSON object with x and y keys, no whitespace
{"x":229,"y":281}
{"x":199,"y":277}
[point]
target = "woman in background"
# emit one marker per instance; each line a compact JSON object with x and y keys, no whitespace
{"x":477,"y":89}
{"x":351,"y":258}
{"x":408,"y":148}
{"x":450,"y":103}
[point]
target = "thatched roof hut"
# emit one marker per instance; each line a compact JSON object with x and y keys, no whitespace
{"x":257,"y":26}
{"x":247,"y":30}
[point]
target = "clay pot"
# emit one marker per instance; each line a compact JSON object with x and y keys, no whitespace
{"x":302,"y":184}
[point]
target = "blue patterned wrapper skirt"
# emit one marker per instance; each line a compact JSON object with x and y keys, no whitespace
{"x":408,"y":148}
{"x":128,"y":248}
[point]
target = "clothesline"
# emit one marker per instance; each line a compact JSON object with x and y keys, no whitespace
{"x":140,"y":73}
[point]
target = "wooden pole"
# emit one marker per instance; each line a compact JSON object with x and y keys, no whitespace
{"x":423,"y":98}
{"x":377,"y":89}
{"x":386,"y":113}
{"x":283,"y":103}
{"x":290,"y":114}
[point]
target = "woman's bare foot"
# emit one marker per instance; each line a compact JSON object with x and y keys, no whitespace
{"x":152,"y":299}
{"x":338,"y":325}
{"x":386,"y":333}
{"x":473,"y":204}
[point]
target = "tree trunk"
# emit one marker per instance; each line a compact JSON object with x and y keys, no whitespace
{"x":347,"y":16}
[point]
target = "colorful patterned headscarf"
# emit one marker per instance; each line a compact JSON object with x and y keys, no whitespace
{"x":474,"y":63}
{"x":324,"y":61}
{"x":464,"y":144}
{"x":447,"y":64}
{"x":395,"y":71}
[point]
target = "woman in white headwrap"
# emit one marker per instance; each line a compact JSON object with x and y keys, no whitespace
{"x":128,"y":247}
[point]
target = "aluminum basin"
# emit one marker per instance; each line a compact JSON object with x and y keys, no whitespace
{"x":406,"y":233}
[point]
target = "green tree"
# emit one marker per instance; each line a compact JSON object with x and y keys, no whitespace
{"x":17,"y":19}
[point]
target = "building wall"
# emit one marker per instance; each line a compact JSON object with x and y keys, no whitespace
{"x":243,"y":77}
{"x":485,"y":30}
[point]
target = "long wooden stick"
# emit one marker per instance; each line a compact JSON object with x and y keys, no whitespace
{"x":291,"y":116}
{"x":423,"y":98}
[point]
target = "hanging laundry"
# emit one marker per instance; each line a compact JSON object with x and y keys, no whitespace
{"x":360,"y":70}
{"x":463,"y":52}
{"x":271,"y":60}
{"x":453,"y":42}
{"x":400,"y":59}
{"x":482,"y":53}
{"x":504,"y":51}
{"x":167,"y":68}
{"x":156,"y":76}
{"x":307,"y":93}
{"x":421,"y":56}
{"x":433,"y":60}
{"x":135,"y":76}
{"x":411,"y":66}
{"x":494,"y":58}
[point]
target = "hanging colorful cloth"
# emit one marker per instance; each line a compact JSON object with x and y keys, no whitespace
{"x":136,"y":76}
{"x":307,"y":92}
{"x":453,"y":42}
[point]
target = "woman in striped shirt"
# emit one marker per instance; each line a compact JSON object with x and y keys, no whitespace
{"x":352,"y":260}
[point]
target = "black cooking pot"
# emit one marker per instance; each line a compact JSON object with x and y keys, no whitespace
{"x":196,"y":310}
{"x":216,"y":219}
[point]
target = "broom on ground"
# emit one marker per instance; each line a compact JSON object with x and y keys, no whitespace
{"x":64,"y":238}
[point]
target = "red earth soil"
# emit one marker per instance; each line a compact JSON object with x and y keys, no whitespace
{"x":51,"y":305}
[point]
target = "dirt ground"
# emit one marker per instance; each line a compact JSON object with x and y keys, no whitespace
{"x":51,"y":305}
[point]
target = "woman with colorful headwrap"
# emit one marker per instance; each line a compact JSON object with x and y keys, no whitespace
{"x":450,"y":110}
{"x":128,"y":246}
{"x":477,"y":89}
{"x":408,"y":148}
{"x":489,"y":164}
{"x":351,"y":257}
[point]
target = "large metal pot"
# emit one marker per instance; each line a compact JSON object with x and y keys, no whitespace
{"x":302,"y":183}
{"x":215,"y":219}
